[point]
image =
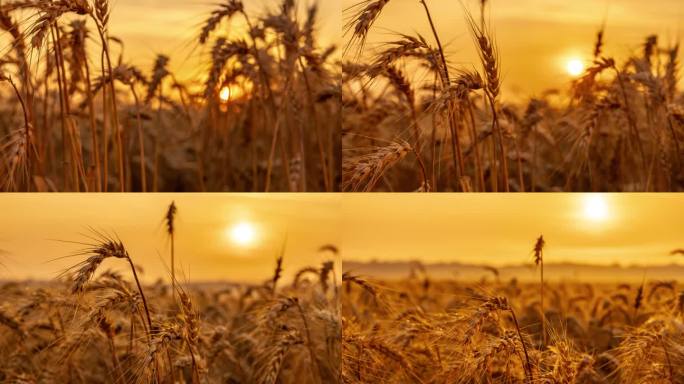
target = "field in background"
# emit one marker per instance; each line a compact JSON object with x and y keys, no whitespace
{"x":556,"y":272}
{"x":229,"y":334}
{"x":510,"y":328}
{"x":75,"y":116}
{"x":434,"y":331}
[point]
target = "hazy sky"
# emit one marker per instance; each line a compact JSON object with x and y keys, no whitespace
{"x":469,"y":228}
{"x":501,"y":229}
{"x":33,"y":225}
{"x":172,"y":27}
{"x":536,"y":38}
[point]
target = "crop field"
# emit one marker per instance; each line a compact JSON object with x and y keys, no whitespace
{"x":443,"y":331}
{"x":417,"y":329}
{"x":99,"y":322}
{"x":76,"y":115}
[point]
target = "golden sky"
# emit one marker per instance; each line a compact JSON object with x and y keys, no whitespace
{"x":171,"y":27}
{"x":468,"y":228}
{"x":536,"y":38}
{"x":499,"y":229}
{"x":33,"y":229}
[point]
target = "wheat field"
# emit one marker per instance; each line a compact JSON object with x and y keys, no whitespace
{"x":423,"y":330}
{"x":76,"y":115}
{"x":618,"y":127}
{"x":92,"y":324}
{"x":252,"y":288}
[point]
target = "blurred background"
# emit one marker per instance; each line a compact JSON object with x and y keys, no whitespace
{"x":588,"y":235}
{"x":219,"y":237}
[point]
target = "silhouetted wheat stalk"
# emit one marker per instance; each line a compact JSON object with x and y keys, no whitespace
{"x":539,"y":261}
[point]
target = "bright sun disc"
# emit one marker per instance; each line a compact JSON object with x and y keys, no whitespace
{"x":243,"y":233}
{"x":224,"y":95}
{"x":595,"y":208}
{"x":574,"y":67}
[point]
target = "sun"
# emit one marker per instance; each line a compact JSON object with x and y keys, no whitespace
{"x":224,"y":94}
{"x":595,"y":207}
{"x":574,"y":67}
{"x":243,"y":233}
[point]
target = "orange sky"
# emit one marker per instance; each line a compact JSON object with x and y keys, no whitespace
{"x":493,"y":229}
{"x":33,"y":226}
{"x":535,"y":37}
{"x":499,"y":229}
{"x":171,"y":27}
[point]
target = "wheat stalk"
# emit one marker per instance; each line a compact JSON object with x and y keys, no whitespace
{"x":539,"y":261}
{"x":171,"y":231}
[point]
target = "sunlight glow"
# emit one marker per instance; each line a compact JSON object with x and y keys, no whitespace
{"x":243,"y":233}
{"x":595,"y":207}
{"x":224,"y":94}
{"x":574,"y":67}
